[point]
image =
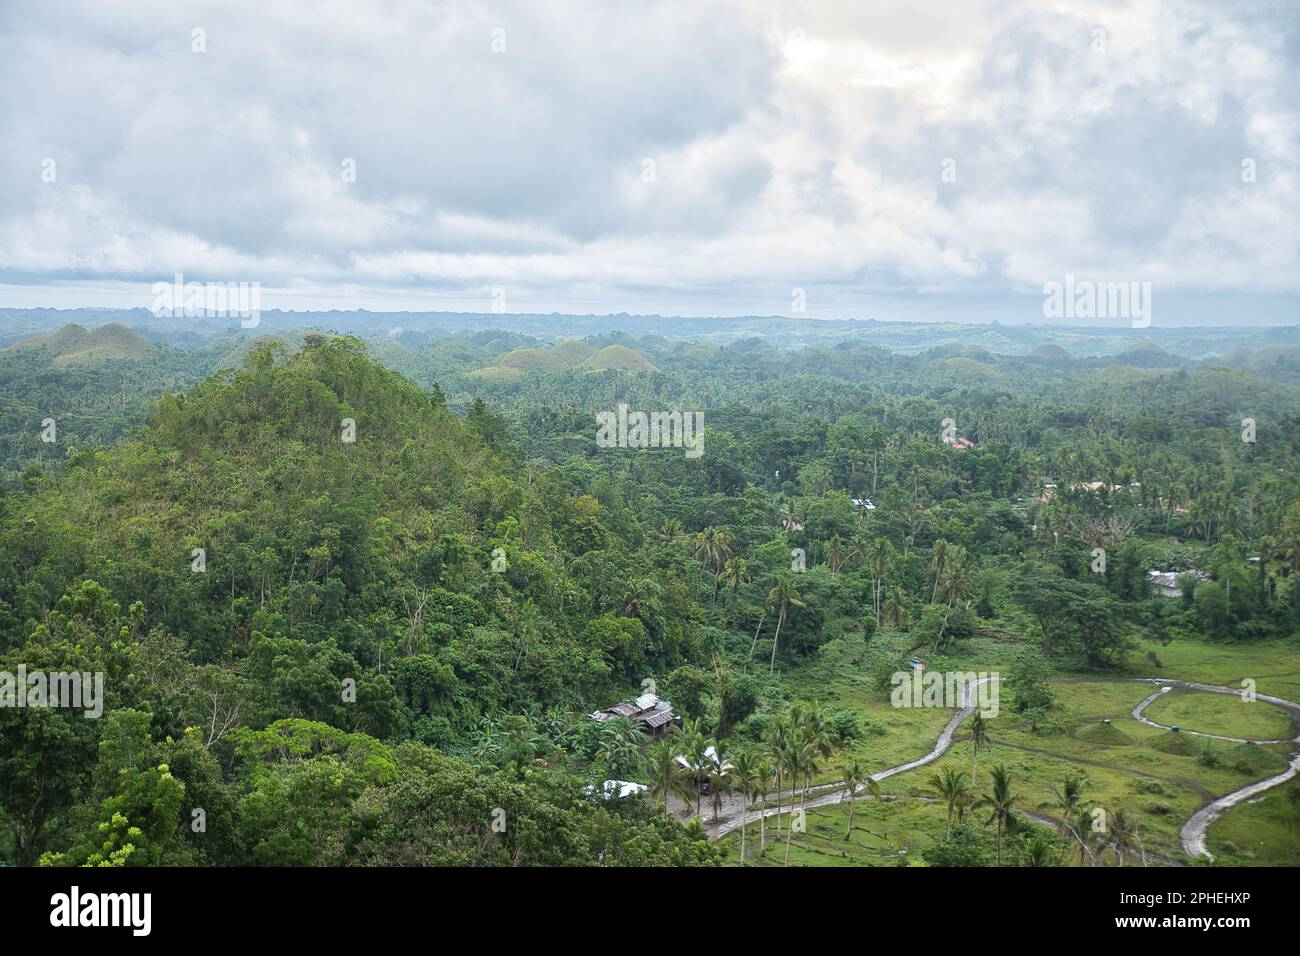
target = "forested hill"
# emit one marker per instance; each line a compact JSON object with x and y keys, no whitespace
{"x":350,"y":615}
{"x":233,"y":569}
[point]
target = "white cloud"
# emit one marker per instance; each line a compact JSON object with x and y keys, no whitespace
{"x":794,"y":144}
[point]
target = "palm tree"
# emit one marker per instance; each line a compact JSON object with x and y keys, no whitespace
{"x":696,"y":746}
{"x":956,"y":580}
{"x":702,"y":548}
{"x":964,"y":802}
{"x":979,"y":737}
{"x":767,"y":606}
{"x":1038,"y":852}
{"x":720,"y":550}
{"x":951,"y":786}
{"x":1083,"y":833}
{"x":879,"y":555}
{"x":670,"y":531}
{"x":718,"y":771}
{"x":796,"y":758}
{"x":896,"y":608}
{"x":762,"y":781}
{"x":665,"y":774}
{"x":735,"y":573}
{"x":938,"y":564}
{"x":814,"y":728}
{"x":852,"y":773}
{"x":1067,"y":799}
{"x":855,"y":777}
{"x":835,"y":556}
{"x":1000,"y":800}
{"x":1122,"y":833}
{"x":744,"y":777}
{"x":783,"y":596}
{"x":778,"y":739}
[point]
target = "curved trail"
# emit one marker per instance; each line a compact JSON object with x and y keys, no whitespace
{"x":1193,"y":832}
{"x":723,"y":827}
{"x":1192,"y":835}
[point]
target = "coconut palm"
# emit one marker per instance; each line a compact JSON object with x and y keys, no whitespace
{"x":852,"y":772}
{"x":665,"y":774}
{"x":762,"y":782}
{"x":717,"y":769}
{"x":796,"y":757}
{"x":1084,"y":834}
{"x":1038,"y":852}
{"x":951,"y":787}
{"x":735,"y":573}
{"x":835,"y":556}
{"x":1000,"y":800}
{"x":939,"y":556}
{"x":1067,"y":799}
{"x":695,"y":746}
{"x":670,"y":531}
{"x":744,"y":778}
{"x":879,"y":555}
{"x":778,"y":739}
{"x":720,"y":551}
{"x":896,"y":608}
{"x":782,"y":596}
{"x":1122,"y":833}
{"x":979,"y":737}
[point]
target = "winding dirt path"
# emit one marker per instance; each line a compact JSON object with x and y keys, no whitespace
{"x":1192,"y":835}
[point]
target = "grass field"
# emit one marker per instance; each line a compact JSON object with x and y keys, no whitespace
{"x":1263,"y":832}
{"x":892,"y":834}
{"x":1219,"y":714}
{"x":1157,"y":777}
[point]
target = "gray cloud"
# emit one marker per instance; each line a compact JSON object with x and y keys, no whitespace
{"x":792,"y":145}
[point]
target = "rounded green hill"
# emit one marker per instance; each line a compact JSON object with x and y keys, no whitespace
{"x":619,"y":358}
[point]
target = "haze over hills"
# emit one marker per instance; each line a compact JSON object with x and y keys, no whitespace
{"x":416,"y":329}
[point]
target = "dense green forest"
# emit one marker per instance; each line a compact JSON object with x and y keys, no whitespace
{"x":354,"y":602}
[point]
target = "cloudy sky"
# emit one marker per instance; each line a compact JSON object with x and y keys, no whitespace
{"x":889,"y":158}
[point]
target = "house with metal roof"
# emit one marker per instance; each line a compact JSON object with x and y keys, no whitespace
{"x":651,"y":712}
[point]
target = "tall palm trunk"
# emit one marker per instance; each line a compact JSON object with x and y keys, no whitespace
{"x":778,"y":801}
{"x":761,"y":618}
{"x":776,"y":639}
{"x":744,"y":810}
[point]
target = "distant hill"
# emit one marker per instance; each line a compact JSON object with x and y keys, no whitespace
{"x":1145,"y":354}
{"x":965,"y":369}
{"x":496,"y":373}
{"x":56,"y":342}
{"x":573,"y":352}
{"x":1049,"y":351}
{"x":531,"y":359}
{"x":702,"y":350}
{"x":73,"y":345}
{"x":619,"y":358}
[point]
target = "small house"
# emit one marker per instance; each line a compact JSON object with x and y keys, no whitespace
{"x":653,"y":714}
{"x":1166,"y":582}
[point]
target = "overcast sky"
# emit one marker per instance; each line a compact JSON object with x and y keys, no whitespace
{"x":890,"y":159}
